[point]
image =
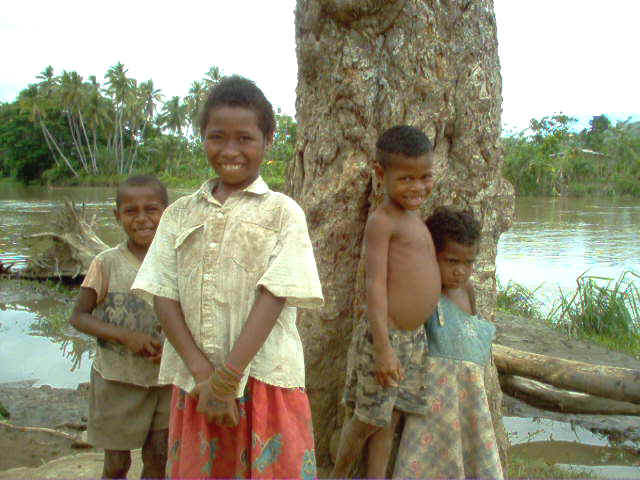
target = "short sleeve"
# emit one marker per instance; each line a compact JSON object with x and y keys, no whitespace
{"x":97,"y":279}
{"x":292,"y":271}
{"x":158,"y":272}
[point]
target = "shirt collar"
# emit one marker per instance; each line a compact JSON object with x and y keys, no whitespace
{"x":257,"y":187}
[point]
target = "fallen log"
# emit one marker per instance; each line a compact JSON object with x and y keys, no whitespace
{"x":547,"y":397}
{"x":603,"y":381}
{"x":76,"y":440}
{"x":67,"y":249}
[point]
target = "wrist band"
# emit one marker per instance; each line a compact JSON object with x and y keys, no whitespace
{"x":232,"y":369}
{"x":224,"y":383}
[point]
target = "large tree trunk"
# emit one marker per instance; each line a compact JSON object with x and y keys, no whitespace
{"x":364,"y":66}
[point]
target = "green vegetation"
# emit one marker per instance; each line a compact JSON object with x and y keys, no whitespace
{"x":527,"y":468}
{"x":66,"y":130}
{"x":550,"y":159}
{"x":518,"y":300}
{"x":608,"y":314}
{"x":601,"y":310}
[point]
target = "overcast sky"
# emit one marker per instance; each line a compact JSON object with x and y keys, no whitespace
{"x":575,"y":56}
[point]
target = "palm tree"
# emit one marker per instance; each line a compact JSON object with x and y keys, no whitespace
{"x":33,"y":102}
{"x":212,"y":77}
{"x":72,"y":96}
{"x":193,"y":102}
{"x":120,"y":89}
{"x":97,"y":113}
{"x":144,"y":108}
{"x":173,"y":115}
{"x":48,"y":80}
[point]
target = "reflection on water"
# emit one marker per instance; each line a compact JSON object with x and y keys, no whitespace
{"x":32,"y":346}
{"x":571,"y":445}
{"x":26,"y":210}
{"x":31,"y":350}
{"x":554,"y":241}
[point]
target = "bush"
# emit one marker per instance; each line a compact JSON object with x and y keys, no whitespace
{"x":518,"y":300}
{"x":612,"y":309}
{"x":608,"y":314}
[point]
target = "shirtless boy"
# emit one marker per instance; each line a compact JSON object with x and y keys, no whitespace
{"x":403,"y":286}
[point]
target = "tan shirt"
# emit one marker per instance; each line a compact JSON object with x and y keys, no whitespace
{"x":110,"y":275}
{"x":212,"y":257}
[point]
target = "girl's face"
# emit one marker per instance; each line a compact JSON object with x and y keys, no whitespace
{"x":456,"y":264}
{"x":235,"y":145}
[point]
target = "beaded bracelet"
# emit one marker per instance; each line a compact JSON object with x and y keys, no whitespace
{"x":233,"y":369}
{"x":224,"y":382}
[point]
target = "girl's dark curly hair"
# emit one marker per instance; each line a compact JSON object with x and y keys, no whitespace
{"x":446,"y":223}
{"x":237,"y":91}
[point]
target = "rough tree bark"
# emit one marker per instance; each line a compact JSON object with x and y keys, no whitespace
{"x":364,"y":66}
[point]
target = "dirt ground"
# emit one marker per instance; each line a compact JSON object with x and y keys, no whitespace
{"x":25,"y":454}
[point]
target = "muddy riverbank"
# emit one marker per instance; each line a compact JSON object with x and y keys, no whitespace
{"x":66,"y":409}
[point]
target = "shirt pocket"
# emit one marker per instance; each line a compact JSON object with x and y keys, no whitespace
{"x":188,"y":248}
{"x":253,"y":244}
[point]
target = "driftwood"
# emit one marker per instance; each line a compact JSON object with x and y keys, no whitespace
{"x":67,"y":249}
{"x":547,"y":397}
{"x":615,"y":383}
{"x":76,"y":441}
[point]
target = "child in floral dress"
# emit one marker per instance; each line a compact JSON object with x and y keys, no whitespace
{"x":456,"y":440}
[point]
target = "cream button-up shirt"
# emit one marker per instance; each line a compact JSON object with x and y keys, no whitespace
{"x":212,"y":257}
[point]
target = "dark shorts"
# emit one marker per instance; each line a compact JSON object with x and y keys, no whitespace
{"x":121,"y":415}
{"x":372,"y":403}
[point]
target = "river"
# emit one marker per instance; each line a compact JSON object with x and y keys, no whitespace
{"x":555,"y":240}
{"x":550,"y":244}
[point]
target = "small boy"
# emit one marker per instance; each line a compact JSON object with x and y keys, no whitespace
{"x":127,"y":407}
{"x":403,"y":285}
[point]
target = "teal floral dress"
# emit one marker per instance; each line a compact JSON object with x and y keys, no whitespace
{"x":456,"y":439}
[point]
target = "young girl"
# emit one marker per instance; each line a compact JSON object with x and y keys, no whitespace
{"x":456,"y":440}
{"x":228,"y":267}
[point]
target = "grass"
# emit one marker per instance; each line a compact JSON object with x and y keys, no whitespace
{"x":601,"y":310}
{"x":518,"y":300}
{"x":526,"y":468}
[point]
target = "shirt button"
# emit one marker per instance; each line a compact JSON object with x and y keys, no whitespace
{"x":213,"y":245}
{"x":220,"y":215}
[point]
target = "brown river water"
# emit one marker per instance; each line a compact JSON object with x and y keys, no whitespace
{"x":551,"y":243}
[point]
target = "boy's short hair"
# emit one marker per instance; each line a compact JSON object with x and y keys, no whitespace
{"x":143,"y":181}
{"x":460,"y":226}
{"x":237,"y":91}
{"x":403,"y":139}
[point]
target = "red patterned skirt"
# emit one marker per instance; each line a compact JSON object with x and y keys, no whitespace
{"x":274,"y":437}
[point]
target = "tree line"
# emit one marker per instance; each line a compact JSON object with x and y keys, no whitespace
{"x":550,"y":158}
{"x":66,"y":129}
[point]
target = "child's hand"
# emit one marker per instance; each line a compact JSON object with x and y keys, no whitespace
{"x":142,"y":344}
{"x":222,"y":412}
{"x":388,"y":369}
{"x":157,"y":357}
